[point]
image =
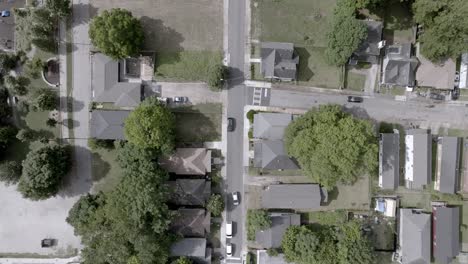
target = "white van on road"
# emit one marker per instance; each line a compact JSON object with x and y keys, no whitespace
{"x":228,"y":229}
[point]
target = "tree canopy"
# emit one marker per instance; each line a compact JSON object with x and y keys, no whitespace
{"x":128,"y":224}
{"x":345,"y":35}
{"x":215,"y":205}
{"x":10,"y":172}
{"x":257,"y":220}
{"x":151,"y":125}
{"x":445,"y":27}
{"x":7,"y":135}
{"x":116,"y":33}
{"x":332,"y":146}
{"x":5,"y":109}
{"x":59,"y":8}
{"x":182,"y":260}
{"x":43,"y":170}
{"x":327,"y":245}
{"x":46,"y":99}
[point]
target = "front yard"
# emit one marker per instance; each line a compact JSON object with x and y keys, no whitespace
{"x":304,"y":23}
{"x":198,"y":123}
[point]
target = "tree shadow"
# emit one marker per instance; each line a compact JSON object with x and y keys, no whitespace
{"x":82,"y":9}
{"x":235,"y":77}
{"x":101,"y":167}
{"x":304,"y":73}
{"x":78,"y":180}
{"x":159,"y":37}
{"x":193,"y":126}
{"x":75,"y":105}
{"x":71,"y":123}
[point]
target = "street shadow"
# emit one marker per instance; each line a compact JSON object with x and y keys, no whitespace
{"x":76,"y":105}
{"x":304,"y":73}
{"x":78,"y":181}
{"x":358,"y":112}
{"x":82,"y":9}
{"x":101,"y":167}
{"x":160,"y":37}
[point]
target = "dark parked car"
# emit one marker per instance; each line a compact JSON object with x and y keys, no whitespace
{"x":355,"y":99}
{"x":437,"y":96}
{"x":48,"y":242}
{"x":231,"y":126}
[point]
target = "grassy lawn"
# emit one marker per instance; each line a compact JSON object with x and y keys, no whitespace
{"x":350,"y":197}
{"x":397,"y":90}
{"x":264,"y":172}
{"x":325,"y":218}
{"x":398,"y":23}
{"x":198,"y":123}
{"x":106,"y":172}
{"x":415,"y":199}
{"x":355,"y":81}
{"x":185,"y":65}
{"x":304,"y":23}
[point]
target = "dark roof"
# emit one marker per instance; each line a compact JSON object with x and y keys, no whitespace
{"x":278,"y":60}
{"x":415,"y":236}
{"x":271,"y":154}
{"x":190,"y":191}
{"x":107,"y":124}
{"x":418,"y":157}
{"x":270,"y":125}
{"x":389,"y":161}
{"x":195,"y":248}
{"x":191,"y":222}
{"x":446,"y":240}
{"x":264,"y":258}
{"x":107,"y":86}
{"x":449,"y":164}
{"x":188,"y":161}
{"x":369,"y":50}
{"x":399,"y":66}
{"x":293,"y":196}
{"x":272,"y":237}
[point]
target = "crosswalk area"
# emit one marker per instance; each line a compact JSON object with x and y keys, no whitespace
{"x":260,"y":96}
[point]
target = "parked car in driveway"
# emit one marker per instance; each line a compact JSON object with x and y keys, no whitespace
{"x":180,"y":99}
{"x":231,"y":125}
{"x":235,"y":198}
{"x":355,"y":99}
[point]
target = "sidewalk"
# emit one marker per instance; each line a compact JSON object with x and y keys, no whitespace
{"x":73,"y":260}
{"x":63,"y":113}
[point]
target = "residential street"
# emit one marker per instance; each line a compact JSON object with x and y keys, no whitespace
{"x":425,"y":114}
{"x":81,"y":91}
{"x":236,"y":100}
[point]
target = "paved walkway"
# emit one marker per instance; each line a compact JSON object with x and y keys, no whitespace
{"x":63,"y":80}
{"x":73,"y":260}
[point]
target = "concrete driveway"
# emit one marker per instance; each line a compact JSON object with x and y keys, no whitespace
{"x":197,"y":93}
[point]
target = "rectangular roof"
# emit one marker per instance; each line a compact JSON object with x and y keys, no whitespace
{"x":195,"y":192}
{"x":464,"y":71}
{"x":448,"y":170}
{"x":188,"y":161}
{"x":270,"y":125}
{"x":107,"y":124}
{"x":415,"y":236}
{"x":272,"y":237}
{"x":292,"y":196}
{"x":418,"y":167}
{"x":278,"y":60}
{"x":264,"y":258}
{"x":271,"y":155}
{"x":191,"y":222}
{"x":389,"y":161}
{"x":369,"y":50}
{"x":189,"y":247}
{"x":446,"y":242}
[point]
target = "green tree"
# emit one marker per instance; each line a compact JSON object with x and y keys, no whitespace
{"x":46,"y":99}
{"x":50,"y":122}
{"x":7,"y":135}
{"x":10,"y":172}
{"x":25,"y":134}
{"x":43,"y":170}
{"x":345,"y":36}
{"x":7,"y":62}
{"x":216,"y":76}
{"x":332,"y":146}
{"x":182,"y":260}
{"x":300,"y":245}
{"x":257,"y":220}
{"x":34,"y":67}
{"x":81,"y":214}
{"x":95,"y":144}
{"x":353,"y":246}
{"x":215,"y":204}
{"x":116,"y":33}
{"x":59,"y":8}
{"x":151,"y":125}
{"x":445,"y":28}
{"x":5,"y":109}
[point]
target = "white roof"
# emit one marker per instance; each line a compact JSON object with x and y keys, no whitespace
{"x":464,"y":71}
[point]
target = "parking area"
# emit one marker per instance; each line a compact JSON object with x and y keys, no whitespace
{"x":197,"y":93}
{"x":24,"y":223}
{"x":7,"y":22}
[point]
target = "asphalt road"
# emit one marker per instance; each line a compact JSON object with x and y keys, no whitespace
{"x":237,"y":99}
{"x":426,"y":114}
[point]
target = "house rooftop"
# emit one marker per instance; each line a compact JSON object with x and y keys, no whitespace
{"x":389,"y":161}
{"x":272,"y":237}
{"x":188,"y":161}
{"x":191,"y":222}
{"x":270,"y":125}
{"x":107,"y":124}
{"x":446,"y":238}
{"x":399,"y":66}
{"x":264,"y":258}
{"x":190,"y":192}
{"x":418,"y":167}
{"x":369,"y":50}
{"x":271,"y":155}
{"x":293,"y":196}
{"x":278,"y":60}
{"x":448,"y":164}
{"x":415,"y":236}
{"x":194,"y":248}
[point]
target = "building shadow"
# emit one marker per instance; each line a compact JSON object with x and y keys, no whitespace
{"x":304,"y":73}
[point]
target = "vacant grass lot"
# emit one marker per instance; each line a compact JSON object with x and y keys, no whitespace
{"x":186,"y":65}
{"x":304,"y":23}
{"x":198,"y":123}
{"x":106,"y":172}
{"x":398,"y":23}
{"x":355,"y":81}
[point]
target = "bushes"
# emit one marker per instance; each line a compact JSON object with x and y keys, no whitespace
{"x":215,"y":205}
{"x":257,"y":220}
{"x":10,"y":172}
{"x":95,"y":144}
{"x":250,"y":115}
{"x":216,"y":77}
{"x":34,"y":67}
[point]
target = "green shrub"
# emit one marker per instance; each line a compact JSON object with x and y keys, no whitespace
{"x":250,"y":115}
{"x":257,"y":220}
{"x":273,"y":252}
{"x":94,"y":143}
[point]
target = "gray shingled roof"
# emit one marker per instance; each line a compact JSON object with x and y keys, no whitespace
{"x":399,"y":66}
{"x":278,"y":60}
{"x":369,"y":50}
{"x":293,"y":196}
{"x":271,"y":155}
{"x":272,"y":237}
{"x":107,"y":87}
{"x":107,"y":124}
{"x":264,"y":258}
{"x":448,"y":170}
{"x":415,"y":237}
{"x":270,"y":125}
{"x":190,"y":247}
{"x":190,"y":191}
{"x":422,"y":157}
{"x":191,"y":222}
{"x":389,"y":160}
{"x":446,"y":240}
{"x":188,"y":161}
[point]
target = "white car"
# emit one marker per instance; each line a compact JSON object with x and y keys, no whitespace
{"x":228,"y":229}
{"x":235,"y":198}
{"x":229,"y":250}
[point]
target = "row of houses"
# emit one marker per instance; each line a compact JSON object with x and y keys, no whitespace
{"x":418,"y":161}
